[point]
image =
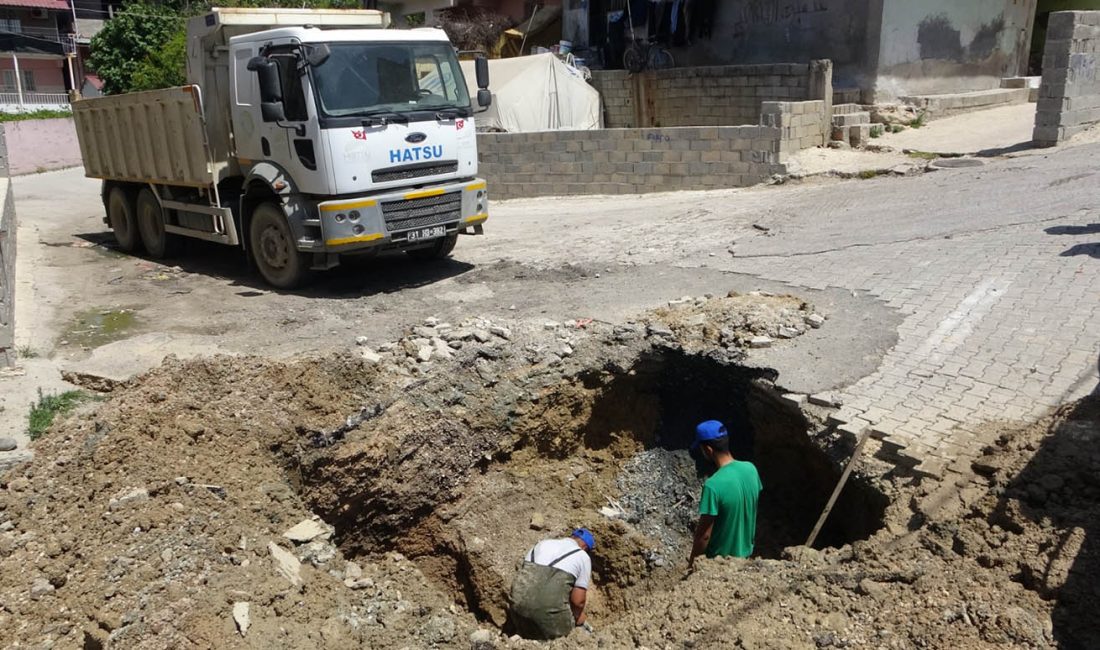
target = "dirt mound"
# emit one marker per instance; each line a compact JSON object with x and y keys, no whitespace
{"x":383,"y":499}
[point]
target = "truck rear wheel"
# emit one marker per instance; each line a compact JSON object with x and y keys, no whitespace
{"x":440,"y":249}
{"x":120,"y":214}
{"x":272,"y":244}
{"x":150,"y":222}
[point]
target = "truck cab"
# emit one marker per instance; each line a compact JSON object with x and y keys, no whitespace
{"x":314,"y":135}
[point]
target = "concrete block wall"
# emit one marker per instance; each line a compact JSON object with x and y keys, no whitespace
{"x":1069,"y":95}
{"x":628,"y":161}
{"x":801,"y":124}
{"x":7,"y":273}
{"x":637,"y":161}
{"x":702,"y":96}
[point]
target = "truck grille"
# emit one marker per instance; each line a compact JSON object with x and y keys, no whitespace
{"x":418,"y":170}
{"x":419,"y":213}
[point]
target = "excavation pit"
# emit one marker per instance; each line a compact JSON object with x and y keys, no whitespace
{"x":607,"y":450}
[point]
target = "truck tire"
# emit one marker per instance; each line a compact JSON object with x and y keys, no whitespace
{"x":441,"y":249}
{"x":150,"y":222}
{"x":120,"y":214}
{"x":272,"y":244}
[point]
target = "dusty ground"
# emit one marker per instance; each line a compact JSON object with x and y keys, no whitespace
{"x":436,"y":474}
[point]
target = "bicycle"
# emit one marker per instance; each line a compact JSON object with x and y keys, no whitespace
{"x":640,"y":55}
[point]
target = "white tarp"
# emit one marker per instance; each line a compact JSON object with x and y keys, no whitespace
{"x":536,"y":93}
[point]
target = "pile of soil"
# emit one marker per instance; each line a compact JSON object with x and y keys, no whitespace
{"x":171,"y":515}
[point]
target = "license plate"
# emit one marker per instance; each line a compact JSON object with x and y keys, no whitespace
{"x":423,"y":234}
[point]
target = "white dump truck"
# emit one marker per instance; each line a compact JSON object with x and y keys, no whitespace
{"x":302,"y":136}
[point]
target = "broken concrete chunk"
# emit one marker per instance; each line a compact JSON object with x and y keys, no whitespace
{"x":424,"y":353}
{"x":241,"y":617}
{"x":370,"y":356}
{"x":286,"y":564}
{"x":40,"y":588}
{"x":482,"y":336}
{"x":361,"y":340}
{"x":307,"y":530}
{"x":128,"y":498}
{"x":788,"y":333}
{"x":502,"y":332}
{"x":538,"y":521}
{"x":815,"y":320}
{"x":827,"y":400}
{"x":352,"y":571}
{"x":760,"y":342}
{"x":658,"y":329}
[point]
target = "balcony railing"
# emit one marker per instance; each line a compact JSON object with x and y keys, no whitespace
{"x":59,"y":100}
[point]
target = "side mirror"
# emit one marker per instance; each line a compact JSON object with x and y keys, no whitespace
{"x":271,"y":88}
{"x":273,"y":111}
{"x":481,"y":67}
{"x":484,"y":98}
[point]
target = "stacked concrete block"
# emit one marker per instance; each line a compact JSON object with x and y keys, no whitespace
{"x":851,"y":125}
{"x":629,"y":161}
{"x":699,"y":96}
{"x":1069,"y":96}
{"x":800,"y":124}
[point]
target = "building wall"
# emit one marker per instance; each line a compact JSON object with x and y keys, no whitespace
{"x":771,"y":31}
{"x":41,"y":145}
{"x":947,"y":46}
{"x":49,"y":74}
{"x":635,"y":161}
{"x":703,"y":96}
{"x":1069,"y":97}
{"x":7,"y":273}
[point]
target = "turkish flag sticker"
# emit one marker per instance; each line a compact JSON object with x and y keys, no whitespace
{"x":459,"y":124}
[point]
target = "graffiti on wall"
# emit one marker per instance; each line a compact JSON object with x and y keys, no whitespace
{"x":774,"y":12}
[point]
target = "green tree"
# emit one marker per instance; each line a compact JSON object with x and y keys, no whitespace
{"x":128,"y":42}
{"x":144,"y":47}
{"x":165,"y":67}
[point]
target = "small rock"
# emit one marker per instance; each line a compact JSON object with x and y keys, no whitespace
{"x":566,"y":351}
{"x":241,"y":617}
{"x":424,"y":332}
{"x":370,"y":356}
{"x":286,"y":564}
{"x":482,"y":336}
{"x":538,"y":521}
{"x":431,"y":321}
{"x":41,"y":587}
{"x":424,"y":353}
{"x":815,"y":320}
{"x":361,"y":340}
{"x":482,"y":640}
{"x":20,"y":484}
{"x":387,"y":347}
{"x":128,"y":498}
{"x":551,"y":325}
{"x":502,"y":332}
{"x":182,"y":480}
{"x":696,"y":320}
{"x":987,"y":465}
{"x":760,"y":342}
{"x":787,"y":333}
{"x":7,"y":444}
{"x":455,"y":345}
{"x":460,"y":334}
{"x":307,"y":530}
{"x":658,"y":329}
{"x":352,"y":571}
{"x":318,"y":553}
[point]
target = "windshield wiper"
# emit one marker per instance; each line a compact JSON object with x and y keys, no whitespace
{"x":382,"y":118}
{"x":449,"y":113}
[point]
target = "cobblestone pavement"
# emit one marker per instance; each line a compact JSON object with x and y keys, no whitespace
{"x":996,"y":272}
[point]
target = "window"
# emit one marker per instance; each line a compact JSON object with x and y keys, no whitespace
{"x":11,"y":25}
{"x":27,"y":76}
{"x":364,"y":78}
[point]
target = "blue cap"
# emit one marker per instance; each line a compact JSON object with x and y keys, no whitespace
{"x":709,"y":430}
{"x":585,"y":536}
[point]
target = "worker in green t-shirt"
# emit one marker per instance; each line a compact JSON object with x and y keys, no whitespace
{"x":727,"y":507}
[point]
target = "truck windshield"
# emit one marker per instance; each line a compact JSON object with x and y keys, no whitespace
{"x":366,"y":78}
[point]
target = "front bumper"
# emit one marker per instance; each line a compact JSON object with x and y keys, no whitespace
{"x":387,"y":219}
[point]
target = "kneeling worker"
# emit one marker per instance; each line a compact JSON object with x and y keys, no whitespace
{"x":550,"y":590}
{"x":727,"y":507}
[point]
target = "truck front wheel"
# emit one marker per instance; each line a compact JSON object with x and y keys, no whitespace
{"x":120,"y":214}
{"x":439,"y":250}
{"x":272,"y":243}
